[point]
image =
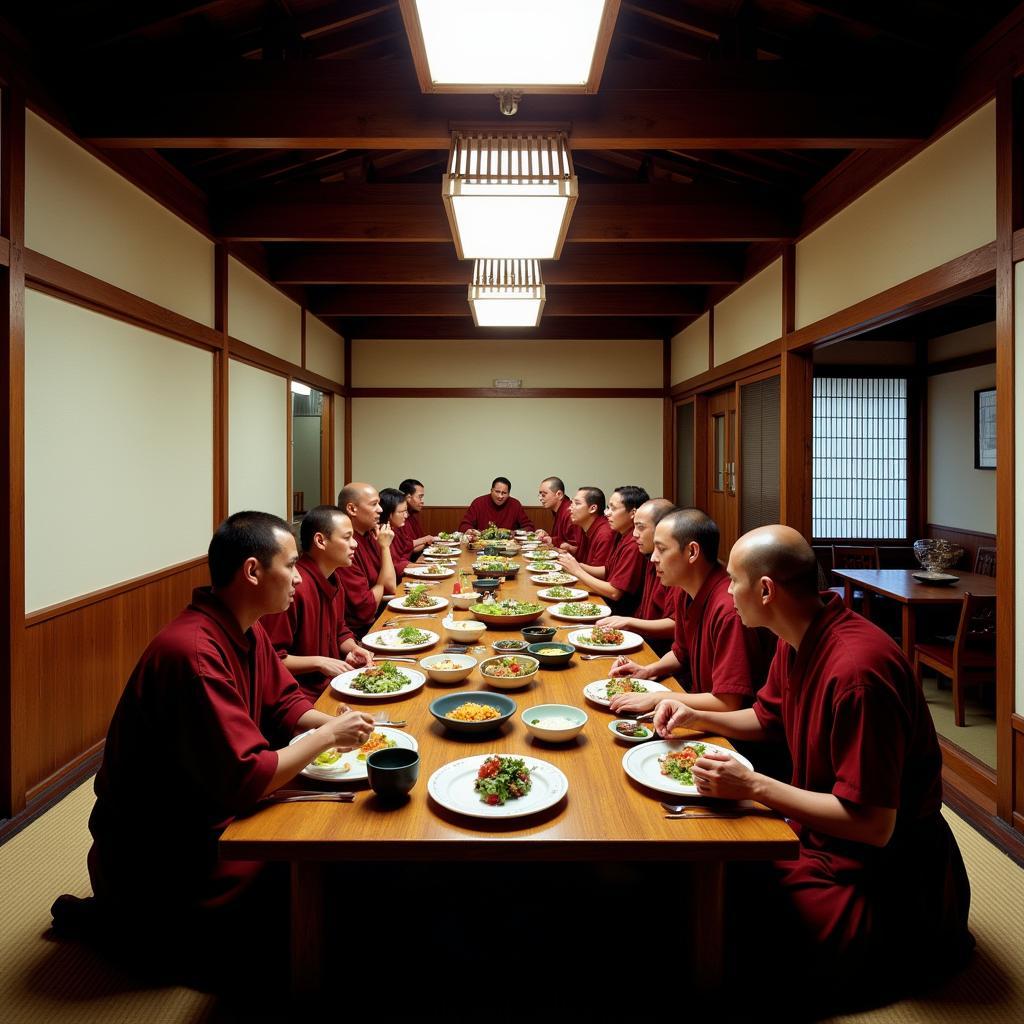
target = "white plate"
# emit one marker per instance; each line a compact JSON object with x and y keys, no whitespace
{"x":441,"y":550}
{"x":596,"y":690}
{"x":356,"y":768}
{"x":387,"y":640}
{"x":641,"y":764}
{"x":651,"y":734}
{"x":630,"y":642}
{"x":547,"y":555}
{"x":341,"y":684}
{"x":437,"y":603}
{"x":554,"y":578}
{"x":539,"y":566}
{"x":419,"y":572}
{"x":452,"y":787}
{"x":577,"y":595}
{"x":602,"y":611}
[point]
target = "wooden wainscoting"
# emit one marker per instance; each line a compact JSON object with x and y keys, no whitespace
{"x":969,"y":540}
{"x":77,"y":659}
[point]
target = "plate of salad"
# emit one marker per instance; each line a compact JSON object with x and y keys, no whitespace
{"x":666,"y":765}
{"x":579,"y":611}
{"x":601,"y":691}
{"x":554,"y":577}
{"x":378,"y":682}
{"x":408,"y":638}
{"x":429,"y":572}
{"x":498,"y":786}
{"x":418,"y":600}
{"x":602,"y":639}
{"x":334,"y":766}
{"x":562,"y":594}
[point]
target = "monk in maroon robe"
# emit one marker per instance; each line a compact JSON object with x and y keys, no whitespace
{"x":596,"y":539}
{"x":655,"y":613}
{"x":415,"y":499}
{"x":394,"y":512}
{"x":497,"y":507}
{"x":372,"y":572}
{"x":564,"y":535}
{"x":311,"y":637}
{"x":620,"y":579}
{"x":199,"y":736}
{"x":719,"y":662}
{"x":878,"y":897}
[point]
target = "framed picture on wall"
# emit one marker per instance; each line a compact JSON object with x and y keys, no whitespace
{"x":985,"y":428}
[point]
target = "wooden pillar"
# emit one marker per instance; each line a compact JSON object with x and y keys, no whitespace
{"x":220,"y":387}
{"x":1009,"y":182}
{"x":348,"y":413}
{"x":13,"y":686}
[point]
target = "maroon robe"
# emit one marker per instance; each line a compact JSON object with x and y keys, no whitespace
{"x":401,"y":549}
{"x":656,"y":600}
{"x":626,"y":573}
{"x":192,"y":744}
{"x":357,"y":580}
{"x":857,"y":726}
{"x":482,"y":512}
{"x":718,"y":654}
{"x":314,"y":625}
{"x":596,"y":543}
{"x":563,"y":529}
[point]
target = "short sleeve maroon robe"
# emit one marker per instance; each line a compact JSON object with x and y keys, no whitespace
{"x":357,"y":579}
{"x":314,"y":625}
{"x":192,"y":744}
{"x":857,"y":726}
{"x":482,"y":512}
{"x":625,"y":572}
{"x":656,"y":600}
{"x":597,"y":543}
{"x":401,"y":549}
{"x":563,"y":529}
{"x":717,"y":652}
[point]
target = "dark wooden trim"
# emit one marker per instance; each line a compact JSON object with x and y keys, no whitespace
{"x":750,"y":362}
{"x":1009,"y":181}
{"x":288,"y":404}
{"x":327,"y":490}
{"x":507,"y":393}
{"x":49,"y":793}
{"x":221,"y":387}
{"x":904,"y":370}
{"x":788,"y":289}
{"x":64,"y":282}
{"x":796,"y":372}
{"x":14,"y":689}
{"x":668,"y":439}
{"x":967,"y":362}
{"x":917,"y":437}
{"x":5,"y":252}
{"x":1018,"y":245}
{"x":1017,"y":723}
{"x":964,"y":802}
{"x":254,"y":356}
{"x":303,"y":313}
{"x":348,"y":409}
{"x":959,"y":277}
{"x":96,"y":596}
{"x":347,"y":362}
{"x":975,"y":773}
{"x":711,"y":339}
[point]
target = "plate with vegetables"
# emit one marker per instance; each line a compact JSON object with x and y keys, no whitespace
{"x":418,"y":600}
{"x":562,"y":594}
{"x":378,"y":682}
{"x":408,"y":638}
{"x":603,"y":640}
{"x":498,"y":786}
{"x":579,"y":611}
{"x":601,"y":691}
{"x":666,"y":765}
{"x":429,"y":572}
{"x":334,"y":766}
{"x":553,"y":577}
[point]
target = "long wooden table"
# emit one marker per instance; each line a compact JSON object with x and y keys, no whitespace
{"x":604,"y":817}
{"x":900,"y":585}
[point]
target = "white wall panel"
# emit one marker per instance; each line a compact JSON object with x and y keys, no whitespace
{"x":261,"y":315}
{"x":118,"y":451}
{"x":690,"y":350}
{"x":257,"y":441}
{"x":751,"y":316}
{"x":325,"y":352}
{"x":79,"y":211}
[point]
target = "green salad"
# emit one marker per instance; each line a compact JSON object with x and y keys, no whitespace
{"x":543,"y":566}
{"x":412,"y":635}
{"x":624,"y":685}
{"x":562,"y":593}
{"x":678,"y":764}
{"x":581,"y":608}
{"x":495,"y":532}
{"x":507,"y":607}
{"x":418,"y":597}
{"x":501,"y":779}
{"x":442,"y":536}
{"x":382,"y":678}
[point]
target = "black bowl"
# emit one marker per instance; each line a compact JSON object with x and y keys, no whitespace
{"x":486,"y":584}
{"x":538,"y":634}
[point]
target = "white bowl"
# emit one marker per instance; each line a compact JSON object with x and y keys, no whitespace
{"x":559,"y":734}
{"x":463,"y":631}
{"x":448,"y":675}
{"x":531,"y":665}
{"x":465,"y":599}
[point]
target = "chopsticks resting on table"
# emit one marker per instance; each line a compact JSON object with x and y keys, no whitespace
{"x":297,"y":796}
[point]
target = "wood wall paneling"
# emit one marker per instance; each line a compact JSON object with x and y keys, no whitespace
{"x":795,"y":442}
{"x":969,"y":540}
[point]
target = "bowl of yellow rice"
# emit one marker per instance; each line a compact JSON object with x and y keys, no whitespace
{"x":476,"y":711}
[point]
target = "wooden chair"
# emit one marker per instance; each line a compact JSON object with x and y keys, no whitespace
{"x":854,"y":557}
{"x":970,"y":659}
{"x":985,"y":561}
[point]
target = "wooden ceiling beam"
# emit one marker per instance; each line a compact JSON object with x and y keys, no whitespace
{"x":414,"y":213}
{"x":448,"y":302}
{"x":366,"y":105}
{"x":456,"y":328}
{"x":371,"y":264}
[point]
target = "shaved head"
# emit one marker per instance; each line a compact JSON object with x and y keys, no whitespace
{"x":656,"y":509}
{"x":691,"y":524}
{"x":781,"y":554}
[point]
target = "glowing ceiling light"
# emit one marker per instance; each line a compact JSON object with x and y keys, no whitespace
{"x":506,"y":293}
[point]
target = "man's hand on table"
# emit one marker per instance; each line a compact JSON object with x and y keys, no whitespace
{"x":332,"y":667}
{"x":722,"y":775}
{"x":634,"y":703}
{"x":623,"y":666}
{"x":569,"y":563}
{"x":618,"y":622}
{"x":359,"y":657}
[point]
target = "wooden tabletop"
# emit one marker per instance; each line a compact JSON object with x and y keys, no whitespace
{"x":900,"y":585}
{"x":604,"y":815}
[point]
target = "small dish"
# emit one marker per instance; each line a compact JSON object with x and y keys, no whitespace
{"x":509,"y":646}
{"x":648,"y":732}
{"x":465,"y":631}
{"x":554,"y":723}
{"x":465,"y":662}
{"x":552,"y":654}
{"x":465,"y":599}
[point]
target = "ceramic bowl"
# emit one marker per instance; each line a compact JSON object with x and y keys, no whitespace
{"x":543,"y":721}
{"x":442,"y":706}
{"x":563,"y":655}
{"x":448,"y":675}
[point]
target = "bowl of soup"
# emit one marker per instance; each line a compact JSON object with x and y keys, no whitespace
{"x":554,"y":723}
{"x":552,"y":653}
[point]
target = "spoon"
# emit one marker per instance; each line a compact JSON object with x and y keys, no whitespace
{"x":596,"y":657}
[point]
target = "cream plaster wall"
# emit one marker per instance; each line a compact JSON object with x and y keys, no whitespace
{"x":751,"y":316}
{"x":79,"y":211}
{"x":476,"y":364}
{"x":325,"y":351}
{"x":962,"y":343}
{"x":257,"y":441}
{"x":690,"y":350}
{"x":959,"y":495}
{"x":456,"y":446}
{"x":260,"y":315}
{"x":118,"y":451}
{"x":936,"y":207}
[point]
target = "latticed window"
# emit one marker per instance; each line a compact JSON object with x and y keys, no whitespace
{"x":859,"y":458}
